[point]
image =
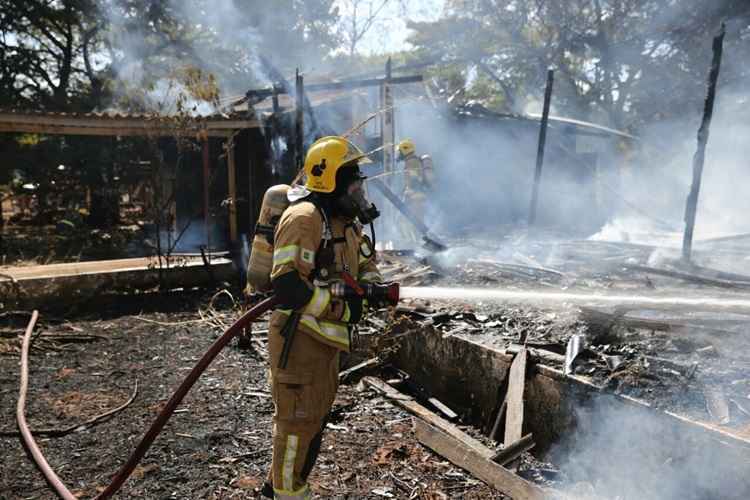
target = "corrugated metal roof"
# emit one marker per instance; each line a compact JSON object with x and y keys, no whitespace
{"x":120,"y":124}
{"x":118,"y":115}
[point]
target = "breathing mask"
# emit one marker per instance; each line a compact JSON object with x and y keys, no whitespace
{"x":353,"y":203}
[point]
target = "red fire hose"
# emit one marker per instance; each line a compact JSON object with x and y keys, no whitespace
{"x":158,"y":424}
{"x":23,"y":427}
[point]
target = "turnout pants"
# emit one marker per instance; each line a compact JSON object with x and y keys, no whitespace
{"x":303,"y":394}
{"x":416,"y":201}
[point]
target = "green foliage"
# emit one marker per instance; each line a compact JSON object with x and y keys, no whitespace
{"x":621,"y":61}
{"x":81,"y":54}
{"x":44,"y":54}
{"x":159,"y":56}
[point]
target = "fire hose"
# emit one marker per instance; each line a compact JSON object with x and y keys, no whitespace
{"x":156,"y":427}
{"x":388,"y":293}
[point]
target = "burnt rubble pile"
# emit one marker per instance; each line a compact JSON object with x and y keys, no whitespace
{"x":693,"y":362}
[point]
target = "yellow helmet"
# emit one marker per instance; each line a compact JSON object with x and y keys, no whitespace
{"x":406,"y":147}
{"x":325,"y":157}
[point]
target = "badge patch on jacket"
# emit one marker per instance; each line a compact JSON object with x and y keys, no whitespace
{"x":308,"y":256}
{"x":365,"y":250}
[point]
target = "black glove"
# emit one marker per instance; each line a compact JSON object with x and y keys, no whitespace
{"x":355,"y":310}
{"x":377,"y":302}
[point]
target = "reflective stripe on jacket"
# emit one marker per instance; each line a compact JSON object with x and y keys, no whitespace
{"x":297,"y":242}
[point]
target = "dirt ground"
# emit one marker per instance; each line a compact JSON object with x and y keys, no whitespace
{"x":217,"y":445}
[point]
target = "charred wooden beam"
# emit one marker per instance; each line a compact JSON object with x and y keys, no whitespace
{"x":430,"y":241}
{"x":700,"y":155}
{"x":299,"y":124}
{"x":514,"y":450}
{"x":537,"y":354}
{"x":344,"y":85}
{"x":691,"y":278}
{"x":206,"y":192}
{"x":498,"y":419}
{"x":232,"y":187}
{"x":541,"y":146}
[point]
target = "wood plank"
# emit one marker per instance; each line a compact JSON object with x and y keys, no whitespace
{"x":542,"y":355}
{"x":480,"y":466}
{"x":514,"y":410}
{"x":604,"y":321}
{"x":514,"y":450}
{"x":407,"y":402}
{"x":443,"y":408}
{"x":365,"y":364}
{"x":717,"y":405}
{"x":690,"y":278}
{"x":70,"y":283}
{"x":20,"y":273}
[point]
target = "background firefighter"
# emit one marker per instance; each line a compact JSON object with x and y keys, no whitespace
{"x":317,"y":240}
{"x":418,"y":184}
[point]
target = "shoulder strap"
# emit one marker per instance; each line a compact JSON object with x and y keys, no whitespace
{"x":327,"y":236}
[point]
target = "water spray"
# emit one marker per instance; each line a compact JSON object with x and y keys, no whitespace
{"x":718,"y":303}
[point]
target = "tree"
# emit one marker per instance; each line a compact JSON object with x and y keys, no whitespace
{"x":43,"y":47}
{"x":361,"y":17}
{"x":616,"y":59}
{"x":80,"y":54}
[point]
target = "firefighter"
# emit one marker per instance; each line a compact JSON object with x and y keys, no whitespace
{"x":318,"y":239}
{"x":418,"y":181}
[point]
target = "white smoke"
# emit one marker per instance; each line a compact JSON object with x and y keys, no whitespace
{"x":619,"y":451}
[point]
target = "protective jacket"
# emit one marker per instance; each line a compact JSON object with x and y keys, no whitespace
{"x":417,"y":174}
{"x":315,"y":248}
{"x":302,"y":240}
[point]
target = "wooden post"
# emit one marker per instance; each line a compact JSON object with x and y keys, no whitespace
{"x":232,"y":188}
{"x":3,"y":198}
{"x":275,"y":101}
{"x":387,"y":138}
{"x":514,"y":409}
{"x":540,"y":149}
{"x":389,"y":126}
{"x":252,"y":180}
{"x":299,"y":128}
{"x":700,"y":155}
{"x":206,"y":195}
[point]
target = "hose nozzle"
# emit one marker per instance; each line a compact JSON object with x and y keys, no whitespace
{"x":372,"y":292}
{"x":393,"y":293}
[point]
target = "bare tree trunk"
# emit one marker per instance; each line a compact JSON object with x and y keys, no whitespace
{"x":66,"y":68}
